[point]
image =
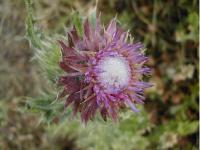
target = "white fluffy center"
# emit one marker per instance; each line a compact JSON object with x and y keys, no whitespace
{"x":116,"y":73}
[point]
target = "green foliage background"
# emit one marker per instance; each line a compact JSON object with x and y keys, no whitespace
{"x":32,"y":118}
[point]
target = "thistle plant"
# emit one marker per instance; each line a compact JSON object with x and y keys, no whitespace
{"x":100,"y":72}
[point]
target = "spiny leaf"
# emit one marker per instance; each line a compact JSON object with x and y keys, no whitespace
{"x":31,"y":32}
{"x":187,"y":127}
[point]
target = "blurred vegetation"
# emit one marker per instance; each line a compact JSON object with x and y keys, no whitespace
{"x":32,"y":118}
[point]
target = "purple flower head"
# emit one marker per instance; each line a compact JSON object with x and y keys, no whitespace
{"x":103,"y":71}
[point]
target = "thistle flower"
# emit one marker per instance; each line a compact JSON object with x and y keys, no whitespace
{"x":103,"y":71}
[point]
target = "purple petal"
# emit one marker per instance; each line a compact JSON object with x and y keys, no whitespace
{"x":87,"y":29}
{"x":132,"y":106}
{"x":111,"y":29}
